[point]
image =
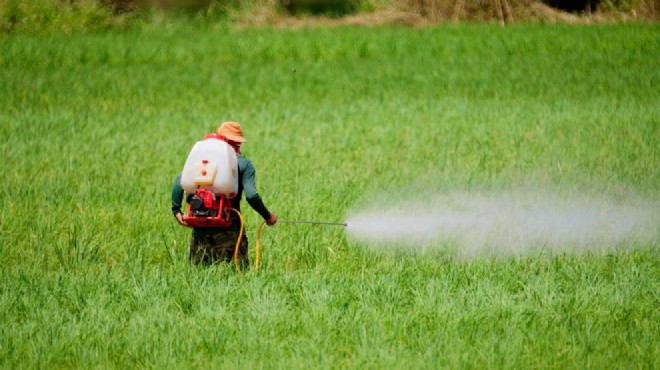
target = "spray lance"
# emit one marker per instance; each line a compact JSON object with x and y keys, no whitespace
{"x":314,"y":222}
{"x":258,"y":245}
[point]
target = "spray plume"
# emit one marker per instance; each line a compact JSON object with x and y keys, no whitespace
{"x":509,"y":223}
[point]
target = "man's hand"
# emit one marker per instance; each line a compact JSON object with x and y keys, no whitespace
{"x":272,"y":220}
{"x":179,"y":219}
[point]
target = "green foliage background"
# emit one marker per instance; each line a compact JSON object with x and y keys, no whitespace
{"x":96,"y":125}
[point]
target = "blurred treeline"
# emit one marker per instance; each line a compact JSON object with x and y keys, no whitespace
{"x":70,"y":15}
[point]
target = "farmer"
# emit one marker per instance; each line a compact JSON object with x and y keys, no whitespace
{"x":216,"y":244}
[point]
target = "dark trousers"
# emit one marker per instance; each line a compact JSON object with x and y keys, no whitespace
{"x":218,"y":247}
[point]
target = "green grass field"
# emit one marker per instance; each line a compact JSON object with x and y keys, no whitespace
{"x":94,"y":270}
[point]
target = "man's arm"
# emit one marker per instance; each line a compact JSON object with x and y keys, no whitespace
{"x":252,"y":197}
{"x":177,"y":198}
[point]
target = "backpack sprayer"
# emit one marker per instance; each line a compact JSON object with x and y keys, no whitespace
{"x":210,"y":180}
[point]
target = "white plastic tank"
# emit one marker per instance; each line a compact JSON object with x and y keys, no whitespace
{"x":212,"y":164}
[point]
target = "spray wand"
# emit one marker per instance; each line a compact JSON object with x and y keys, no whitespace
{"x":314,"y":222}
{"x":258,"y":246}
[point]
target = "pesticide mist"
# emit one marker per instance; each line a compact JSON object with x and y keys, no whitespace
{"x":508,"y":224}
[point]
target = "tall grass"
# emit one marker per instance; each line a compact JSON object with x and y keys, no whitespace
{"x":95,"y":126}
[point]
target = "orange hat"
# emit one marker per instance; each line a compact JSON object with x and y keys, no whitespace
{"x":232,"y":131}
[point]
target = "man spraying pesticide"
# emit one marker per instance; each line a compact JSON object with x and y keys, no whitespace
{"x":214,"y":178}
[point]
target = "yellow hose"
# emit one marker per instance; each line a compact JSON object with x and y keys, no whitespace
{"x":258,"y":247}
{"x":238,"y":242}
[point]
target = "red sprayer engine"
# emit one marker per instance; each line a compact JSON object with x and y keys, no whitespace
{"x":210,"y":180}
{"x":206,"y":209}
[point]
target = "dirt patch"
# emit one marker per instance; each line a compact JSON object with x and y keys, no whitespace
{"x":268,"y":17}
{"x":420,"y":13}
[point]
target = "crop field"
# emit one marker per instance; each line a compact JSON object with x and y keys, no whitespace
{"x":95,"y":126}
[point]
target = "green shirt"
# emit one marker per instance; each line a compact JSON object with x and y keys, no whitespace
{"x":246,"y":184}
